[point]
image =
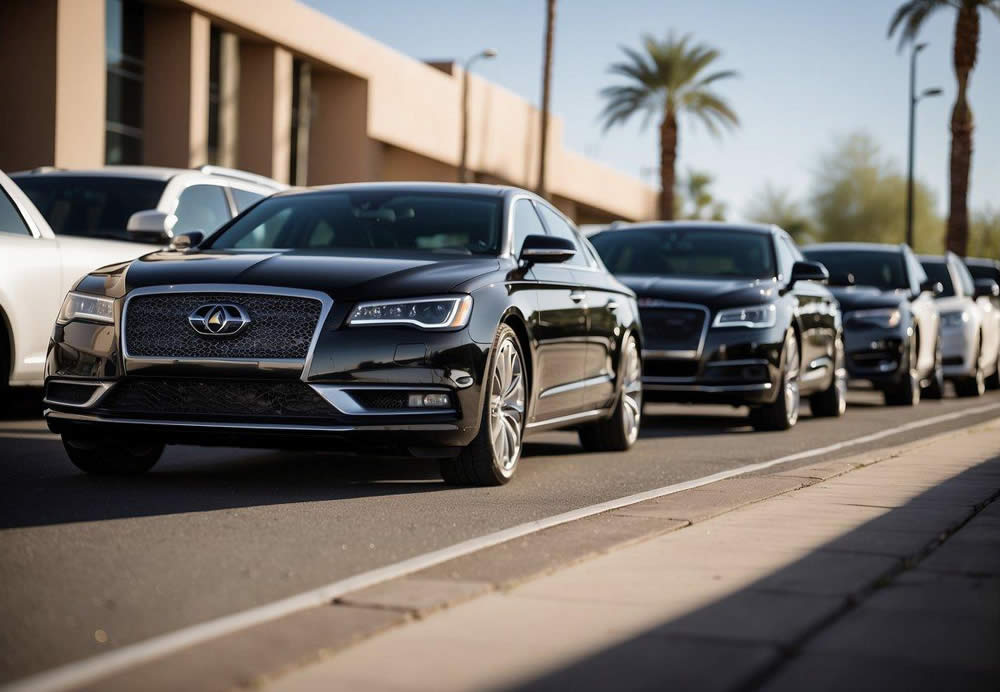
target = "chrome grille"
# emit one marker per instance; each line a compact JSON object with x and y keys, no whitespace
{"x":281,"y":326}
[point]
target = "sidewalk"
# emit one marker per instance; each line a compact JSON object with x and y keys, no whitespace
{"x":887,"y":577}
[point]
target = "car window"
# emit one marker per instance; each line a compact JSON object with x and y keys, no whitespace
{"x":245,"y":198}
{"x":201,"y":208}
{"x":881,"y":269}
{"x":10,"y":218}
{"x":964,"y":277}
{"x":558,"y":227}
{"x":526,"y":222}
{"x":91,"y":206}
{"x":938,"y":271}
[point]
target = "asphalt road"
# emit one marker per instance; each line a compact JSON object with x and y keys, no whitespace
{"x":90,"y":563}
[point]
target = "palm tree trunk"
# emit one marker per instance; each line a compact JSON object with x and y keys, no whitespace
{"x":965,"y":50}
{"x":550,"y":18}
{"x":668,"y":159}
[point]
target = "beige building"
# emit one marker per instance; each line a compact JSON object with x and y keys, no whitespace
{"x":271,"y":86}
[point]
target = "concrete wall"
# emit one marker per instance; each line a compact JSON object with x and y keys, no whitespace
{"x":265,"y":109}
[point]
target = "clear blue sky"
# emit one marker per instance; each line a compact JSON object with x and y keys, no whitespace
{"x":810,"y":70}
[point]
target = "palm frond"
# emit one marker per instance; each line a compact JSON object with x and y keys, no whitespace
{"x":910,"y":17}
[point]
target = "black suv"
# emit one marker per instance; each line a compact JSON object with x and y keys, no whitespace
{"x":890,"y":318}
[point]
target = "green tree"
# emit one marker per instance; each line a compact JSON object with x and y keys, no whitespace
{"x":696,"y":199}
{"x":667,"y":79}
{"x":858,"y":195}
{"x":984,"y":233}
{"x":776,"y":205}
{"x":911,"y":16}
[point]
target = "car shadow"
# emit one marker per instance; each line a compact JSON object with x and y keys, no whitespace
{"x":20,"y":402}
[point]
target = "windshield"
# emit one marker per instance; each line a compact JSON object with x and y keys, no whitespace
{"x":938,"y":271}
{"x":94,"y":207}
{"x":981,"y":271}
{"x":433,"y":222}
{"x":882,"y":270}
{"x":695,"y":252}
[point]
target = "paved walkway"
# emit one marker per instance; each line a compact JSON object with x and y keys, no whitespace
{"x":887,"y":577}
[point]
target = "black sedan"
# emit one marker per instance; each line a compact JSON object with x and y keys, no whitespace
{"x":731,"y":314}
{"x":441,"y":321}
{"x":890,"y":318}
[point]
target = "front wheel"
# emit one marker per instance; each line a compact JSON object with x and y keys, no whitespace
{"x":117,"y":457}
{"x":935,"y":387}
{"x":491,"y":458}
{"x":832,"y":403}
{"x":619,"y":432}
{"x":975,"y":384}
{"x":907,"y":392}
{"x":783,"y":414}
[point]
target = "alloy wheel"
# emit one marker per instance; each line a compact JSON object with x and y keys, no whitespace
{"x":632,"y":391}
{"x":507,"y":406}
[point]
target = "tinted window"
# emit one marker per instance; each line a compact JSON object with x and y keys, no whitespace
{"x":883,"y":270}
{"x":697,"y":252}
{"x":95,"y":207}
{"x":374,"y":219}
{"x":558,"y":227}
{"x":526,"y":222}
{"x":979,"y":271}
{"x":245,"y":198}
{"x":938,"y":271}
{"x":201,"y":208}
{"x":10,"y":219}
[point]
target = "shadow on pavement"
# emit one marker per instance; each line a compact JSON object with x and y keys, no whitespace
{"x":20,"y":402}
{"x":869,"y":610}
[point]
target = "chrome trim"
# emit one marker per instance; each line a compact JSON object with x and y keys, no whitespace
{"x":326,"y":303}
{"x":743,"y":361}
{"x":711,"y":389}
{"x":101,"y":389}
{"x":655,"y":303}
{"x":427,"y":427}
{"x":457,"y":298}
{"x":338,"y":397}
{"x":565,"y":419}
{"x":579,"y":384}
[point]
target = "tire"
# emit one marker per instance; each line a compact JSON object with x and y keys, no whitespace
{"x":783,"y":414}
{"x":119,"y":457}
{"x":492,"y":459}
{"x":619,"y":432}
{"x":832,"y":402}
{"x":975,"y":385}
{"x":907,"y":392}
{"x":935,"y":386}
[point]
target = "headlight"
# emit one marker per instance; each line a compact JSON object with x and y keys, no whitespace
{"x":886,"y":318}
{"x":953,"y":320}
{"x":426,"y":313}
{"x":80,"y":306}
{"x":755,"y":317}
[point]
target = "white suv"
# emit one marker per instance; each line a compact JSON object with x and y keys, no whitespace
{"x":63,"y":224}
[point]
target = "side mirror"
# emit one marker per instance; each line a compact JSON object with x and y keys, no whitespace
{"x":151,"y":225}
{"x":808,"y":271}
{"x":547,"y":249}
{"x":931,"y":286}
{"x":188,"y":240}
{"x":986,"y":288}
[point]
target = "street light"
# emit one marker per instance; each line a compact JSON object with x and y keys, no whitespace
{"x":463,"y":171}
{"x":914,"y":100}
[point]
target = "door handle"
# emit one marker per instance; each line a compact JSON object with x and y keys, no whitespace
{"x":577,"y":296}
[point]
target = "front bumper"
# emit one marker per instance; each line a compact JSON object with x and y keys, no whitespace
{"x":875,"y":355}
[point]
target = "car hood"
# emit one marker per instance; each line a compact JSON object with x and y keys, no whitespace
{"x":344,"y":276}
{"x":865,"y":298}
{"x":712,"y":293}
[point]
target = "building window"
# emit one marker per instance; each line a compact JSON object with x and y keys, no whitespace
{"x":301,"y":115}
{"x":125,"y":76}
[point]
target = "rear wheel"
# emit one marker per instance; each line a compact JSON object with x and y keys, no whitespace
{"x":784,"y":412}
{"x":907,"y":392}
{"x":113,"y":457}
{"x":935,"y":387}
{"x":619,"y":432}
{"x":975,"y":384}
{"x":491,"y":458}
{"x":832,"y":403}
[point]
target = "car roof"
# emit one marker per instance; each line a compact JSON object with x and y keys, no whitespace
{"x":708,"y":225}
{"x":448,"y":188}
{"x":854,"y":247}
{"x":146,"y":172}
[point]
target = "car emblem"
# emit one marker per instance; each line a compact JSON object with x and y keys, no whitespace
{"x":219,"y":319}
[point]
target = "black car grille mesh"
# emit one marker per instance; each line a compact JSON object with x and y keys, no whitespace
{"x":217,"y":398}
{"x":157,"y":326}
{"x":380,"y":399}
{"x":677,"y":329}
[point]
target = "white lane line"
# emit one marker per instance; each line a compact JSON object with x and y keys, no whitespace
{"x":102,"y":665}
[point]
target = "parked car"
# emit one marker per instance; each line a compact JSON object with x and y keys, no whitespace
{"x":141,"y":203}
{"x":731,"y":314}
{"x":432,"y":320}
{"x":890,"y":318}
{"x":984,"y":269}
{"x":37,"y":267}
{"x":970,"y":331}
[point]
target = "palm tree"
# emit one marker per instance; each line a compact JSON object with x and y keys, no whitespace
{"x":667,"y":80}
{"x":550,"y":20}
{"x":911,"y":16}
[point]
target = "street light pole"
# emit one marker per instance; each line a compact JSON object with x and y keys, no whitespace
{"x":463,"y":170}
{"x":914,"y":100}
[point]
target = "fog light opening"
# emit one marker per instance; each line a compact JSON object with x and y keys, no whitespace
{"x":433,"y":400}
